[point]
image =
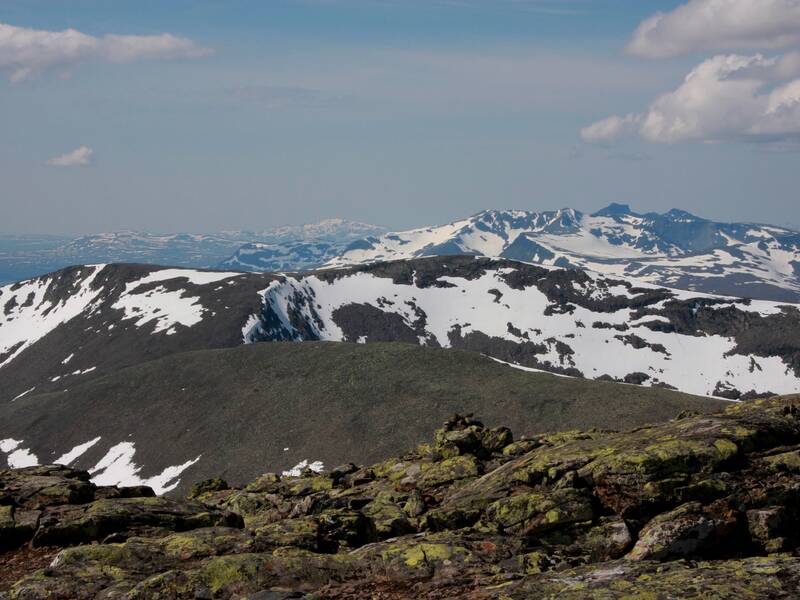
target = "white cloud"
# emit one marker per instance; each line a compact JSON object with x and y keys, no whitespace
{"x":610,"y":129}
{"x":80,"y":157}
{"x":29,"y":51}
{"x":702,"y":25}
{"x":746,"y":98}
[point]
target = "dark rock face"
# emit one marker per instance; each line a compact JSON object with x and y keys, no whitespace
{"x":706,"y":504}
{"x":57,"y":506}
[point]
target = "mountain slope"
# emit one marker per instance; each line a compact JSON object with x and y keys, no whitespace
{"x":675,"y":249}
{"x":565,"y":321}
{"x":267,"y":407}
{"x":84,"y":322}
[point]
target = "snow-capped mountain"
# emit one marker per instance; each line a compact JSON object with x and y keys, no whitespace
{"x":82,"y":322}
{"x":560,"y":320}
{"x":75,"y":340}
{"x":675,"y":249}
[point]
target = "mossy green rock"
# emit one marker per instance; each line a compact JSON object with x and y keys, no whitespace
{"x":388,"y":518}
{"x":68,"y":525}
{"x":705,"y":506}
{"x":746,"y":579}
{"x":448,"y":471}
{"x":682,"y":532}
{"x":535,"y":513}
{"x":208,"y":486}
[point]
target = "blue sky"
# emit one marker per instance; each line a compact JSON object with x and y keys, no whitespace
{"x":397,"y":112}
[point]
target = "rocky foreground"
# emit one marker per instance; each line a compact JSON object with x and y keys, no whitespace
{"x":698,"y":507}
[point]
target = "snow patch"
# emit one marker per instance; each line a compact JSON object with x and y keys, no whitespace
{"x":117,"y":468}
{"x":192,"y":276}
{"x":17,"y":458}
{"x":25,"y":393}
{"x":317,"y":467}
{"x":9,"y":444}
{"x":74,"y":454}
{"x":166,"y":308}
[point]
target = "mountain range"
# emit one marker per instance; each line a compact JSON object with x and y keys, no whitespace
{"x":140,"y":373}
{"x":675,"y":249}
{"x":27,"y":256}
{"x":101,"y":362}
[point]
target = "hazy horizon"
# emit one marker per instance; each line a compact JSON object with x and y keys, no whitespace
{"x":268,"y":227}
{"x":201,"y":116}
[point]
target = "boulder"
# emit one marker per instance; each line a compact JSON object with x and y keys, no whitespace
{"x":682,"y":532}
{"x":769,"y":527}
{"x":531,"y":514}
{"x":80,"y":524}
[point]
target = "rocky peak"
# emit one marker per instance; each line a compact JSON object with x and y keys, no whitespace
{"x":614,"y":210}
{"x":677,"y":214}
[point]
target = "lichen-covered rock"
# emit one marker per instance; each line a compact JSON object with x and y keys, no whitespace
{"x":593,"y":514}
{"x":497,"y":439}
{"x":521,"y":447}
{"x":56,"y":505}
{"x":685,"y":531}
{"x":244,"y":575}
{"x":388,"y":518}
{"x":752,"y":578}
{"x":536,"y":513}
{"x":202,"y":488}
{"x":75,"y":524}
{"x":609,"y":539}
{"x":48,"y":485}
{"x":302,"y":532}
{"x":448,"y":471}
{"x":769,"y":527}
{"x":785,"y":461}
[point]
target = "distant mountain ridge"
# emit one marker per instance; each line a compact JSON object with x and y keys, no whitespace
{"x":22,"y":257}
{"x":675,"y":249}
{"x":299,"y":248}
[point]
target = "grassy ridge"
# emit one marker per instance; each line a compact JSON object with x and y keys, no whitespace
{"x":240,"y":408}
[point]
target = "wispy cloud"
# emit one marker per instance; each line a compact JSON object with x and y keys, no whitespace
{"x":26,"y":52}
{"x":80,"y":157}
